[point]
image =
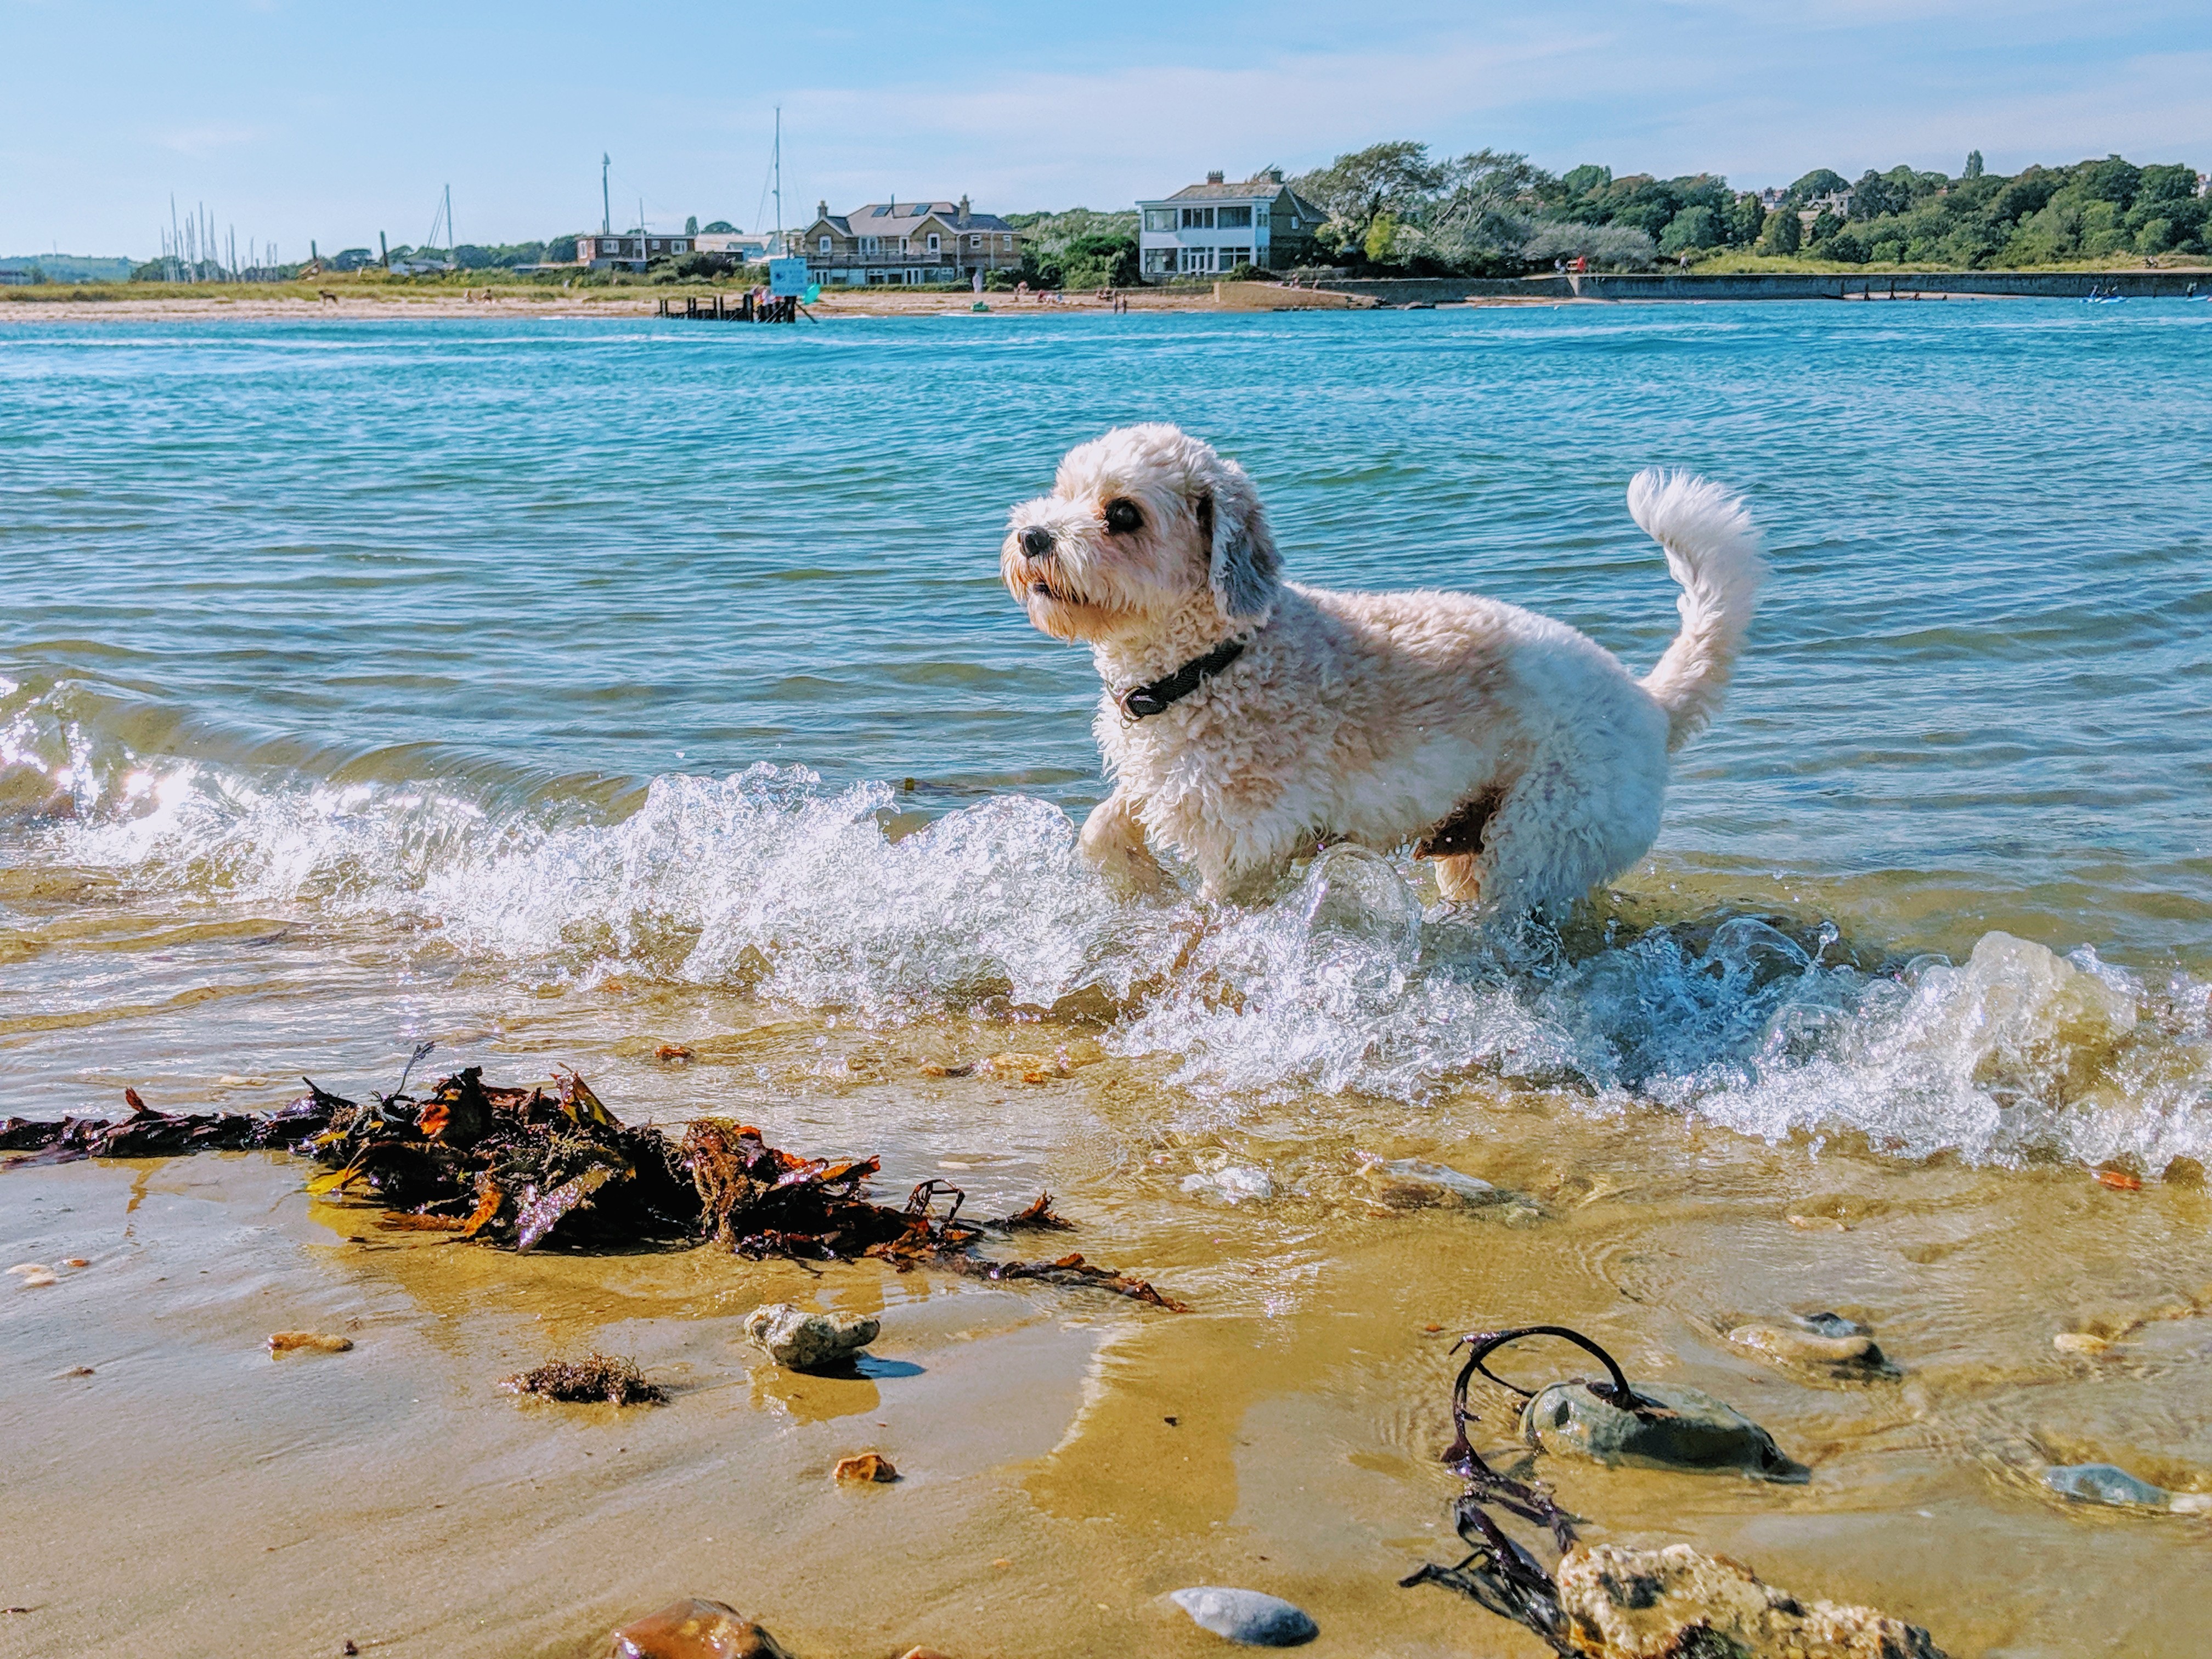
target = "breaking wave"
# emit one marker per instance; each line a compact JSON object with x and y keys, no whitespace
{"x":1341,"y":981}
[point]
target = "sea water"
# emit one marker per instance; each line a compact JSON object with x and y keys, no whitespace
{"x":641,"y":697}
{"x":379,"y":676}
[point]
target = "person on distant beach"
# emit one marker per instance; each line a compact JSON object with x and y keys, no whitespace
{"x":1021,"y":291}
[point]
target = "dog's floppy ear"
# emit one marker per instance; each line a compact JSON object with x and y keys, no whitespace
{"x":1242,"y":570}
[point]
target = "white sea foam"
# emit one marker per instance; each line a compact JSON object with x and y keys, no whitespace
{"x":766,"y":881}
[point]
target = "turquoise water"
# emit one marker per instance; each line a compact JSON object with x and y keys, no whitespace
{"x":358,"y":681}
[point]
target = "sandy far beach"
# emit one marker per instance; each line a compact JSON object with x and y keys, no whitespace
{"x":355,"y":306}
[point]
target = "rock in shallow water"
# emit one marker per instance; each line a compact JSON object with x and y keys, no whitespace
{"x":1652,"y":1604}
{"x":1251,"y":1617}
{"x":695,"y":1629}
{"x":808,"y":1341}
{"x":1818,"y":1342}
{"x":1233,"y":1183}
{"x":2103,"y":1483}
{"x":1690,"y":1429}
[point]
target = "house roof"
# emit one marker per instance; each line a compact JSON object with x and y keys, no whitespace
{"x":1257,"y":188}
{"x":904,"y":218}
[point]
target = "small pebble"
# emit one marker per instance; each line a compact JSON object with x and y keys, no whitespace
{"x":1233,"y":1183}
{"x":32,"y":1273}
{"x":867,"y":1466}
{"x":78,"y":1370}
{"x":695,"y":1629}
{"x":1256,"y":1620}
{"x":76,"y":1262}
{"x":2192,"y":1503}
{"x":2103,"y":1483}
{"x":283,"y":1342}
{"x":1803,"y":1342}
{"x":2079,"y":1342}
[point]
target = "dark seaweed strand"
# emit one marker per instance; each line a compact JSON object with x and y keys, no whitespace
{"x":1501,"y":1574}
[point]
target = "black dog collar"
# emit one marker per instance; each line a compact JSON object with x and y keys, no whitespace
{"x":1158,"y":696}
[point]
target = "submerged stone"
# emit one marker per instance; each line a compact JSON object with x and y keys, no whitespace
{"x":1251,"y":1617}
{"x":1818,"y":1341}
{"x":1233,"y":1183}
{"x":1622,"y":1603}
{"x":806,"y":1341}
{"x":695,"y":1629}
{"x":1686,"y":1429}
{"x":1413,"y":1183}
{"x":2103,"y":1483}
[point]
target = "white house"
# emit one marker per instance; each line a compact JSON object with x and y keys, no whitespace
{"x":1214,"y":227}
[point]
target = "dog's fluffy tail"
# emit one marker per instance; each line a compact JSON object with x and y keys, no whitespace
{"x":1713,"y":550}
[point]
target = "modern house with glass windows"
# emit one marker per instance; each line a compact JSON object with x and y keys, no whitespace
{"x":906,"y":242}
{"x":1209,"y":228}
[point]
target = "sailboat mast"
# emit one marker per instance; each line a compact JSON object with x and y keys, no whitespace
{"x":779,"y":178}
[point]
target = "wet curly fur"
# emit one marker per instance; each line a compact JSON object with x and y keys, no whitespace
{"x":1517,"y":751}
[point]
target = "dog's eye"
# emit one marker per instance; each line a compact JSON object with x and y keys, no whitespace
{"x":1123,"y":517}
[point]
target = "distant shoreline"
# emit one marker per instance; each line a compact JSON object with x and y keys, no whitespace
{"x":354,"y":303}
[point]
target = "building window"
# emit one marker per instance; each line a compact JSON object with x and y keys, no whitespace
{"x":975,"y":241}
{"x":1198,"y":218}
{"x":1234,"y":218}
{"x":1197,"y":259}
{"x":825,"y":243}
{"x":1158,"y":261}
{"x":1159,"y":218}
{"x":1230,"y":256}
{"x":1006,"y":244}
{"x":933,"y":241}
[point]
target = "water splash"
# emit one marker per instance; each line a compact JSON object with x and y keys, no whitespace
{"x":1342,"y":982}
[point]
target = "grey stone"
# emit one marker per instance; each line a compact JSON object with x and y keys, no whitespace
{"x":1820,"y":1342}
{"x":1413,"y":1184}
{"x":1251,"y":1617}
{"x":1690,"y":1429}
{"x":2103,"y":1483}
{"x":1232,"y":1183}
{"x":1623,"y":1603}
{"x":808,"y":1341}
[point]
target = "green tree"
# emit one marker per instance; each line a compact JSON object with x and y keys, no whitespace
{"x":1690,"y":228}
{"x":1396,"y":178}
{"x":1825,"y":226}
{"x":1746,"y":219}
{"x":1783,"y":234}
{"x":1586,"y":179}
{"x":1973,"y":165}
{"x":1820,"y":181}
{"x":691,"y":225}
{"x":1382,"y":234}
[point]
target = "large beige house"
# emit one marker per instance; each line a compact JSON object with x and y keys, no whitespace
{"x":906,"y":242}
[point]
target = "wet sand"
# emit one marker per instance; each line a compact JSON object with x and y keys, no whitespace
{"x":193,"y":1494}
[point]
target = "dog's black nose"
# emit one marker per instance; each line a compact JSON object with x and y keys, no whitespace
{"x":1037,"y":541}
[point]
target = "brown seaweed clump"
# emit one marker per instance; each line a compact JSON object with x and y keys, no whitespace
{"x":596,"y":1376}
{"x":547,"y":1164}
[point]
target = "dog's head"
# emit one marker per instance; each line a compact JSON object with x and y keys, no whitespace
{"x":1139,"y":523}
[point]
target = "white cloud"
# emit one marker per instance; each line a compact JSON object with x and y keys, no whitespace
{"x":208,"y":137}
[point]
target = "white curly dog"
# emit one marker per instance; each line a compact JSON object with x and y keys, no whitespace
{"x":1247,"y":719}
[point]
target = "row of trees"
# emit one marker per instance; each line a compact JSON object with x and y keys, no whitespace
{"x":1394,"y":207}
{"x":2043,"y":216}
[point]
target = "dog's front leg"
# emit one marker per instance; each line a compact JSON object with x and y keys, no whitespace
{"x":1113,"y":841}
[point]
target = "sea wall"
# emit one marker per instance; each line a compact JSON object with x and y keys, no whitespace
{"x":1691,"y":285}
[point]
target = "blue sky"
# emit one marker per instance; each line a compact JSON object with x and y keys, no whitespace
{"x":293,"y":120}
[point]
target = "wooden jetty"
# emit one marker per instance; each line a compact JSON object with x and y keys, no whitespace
{"x":720,"y":307}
